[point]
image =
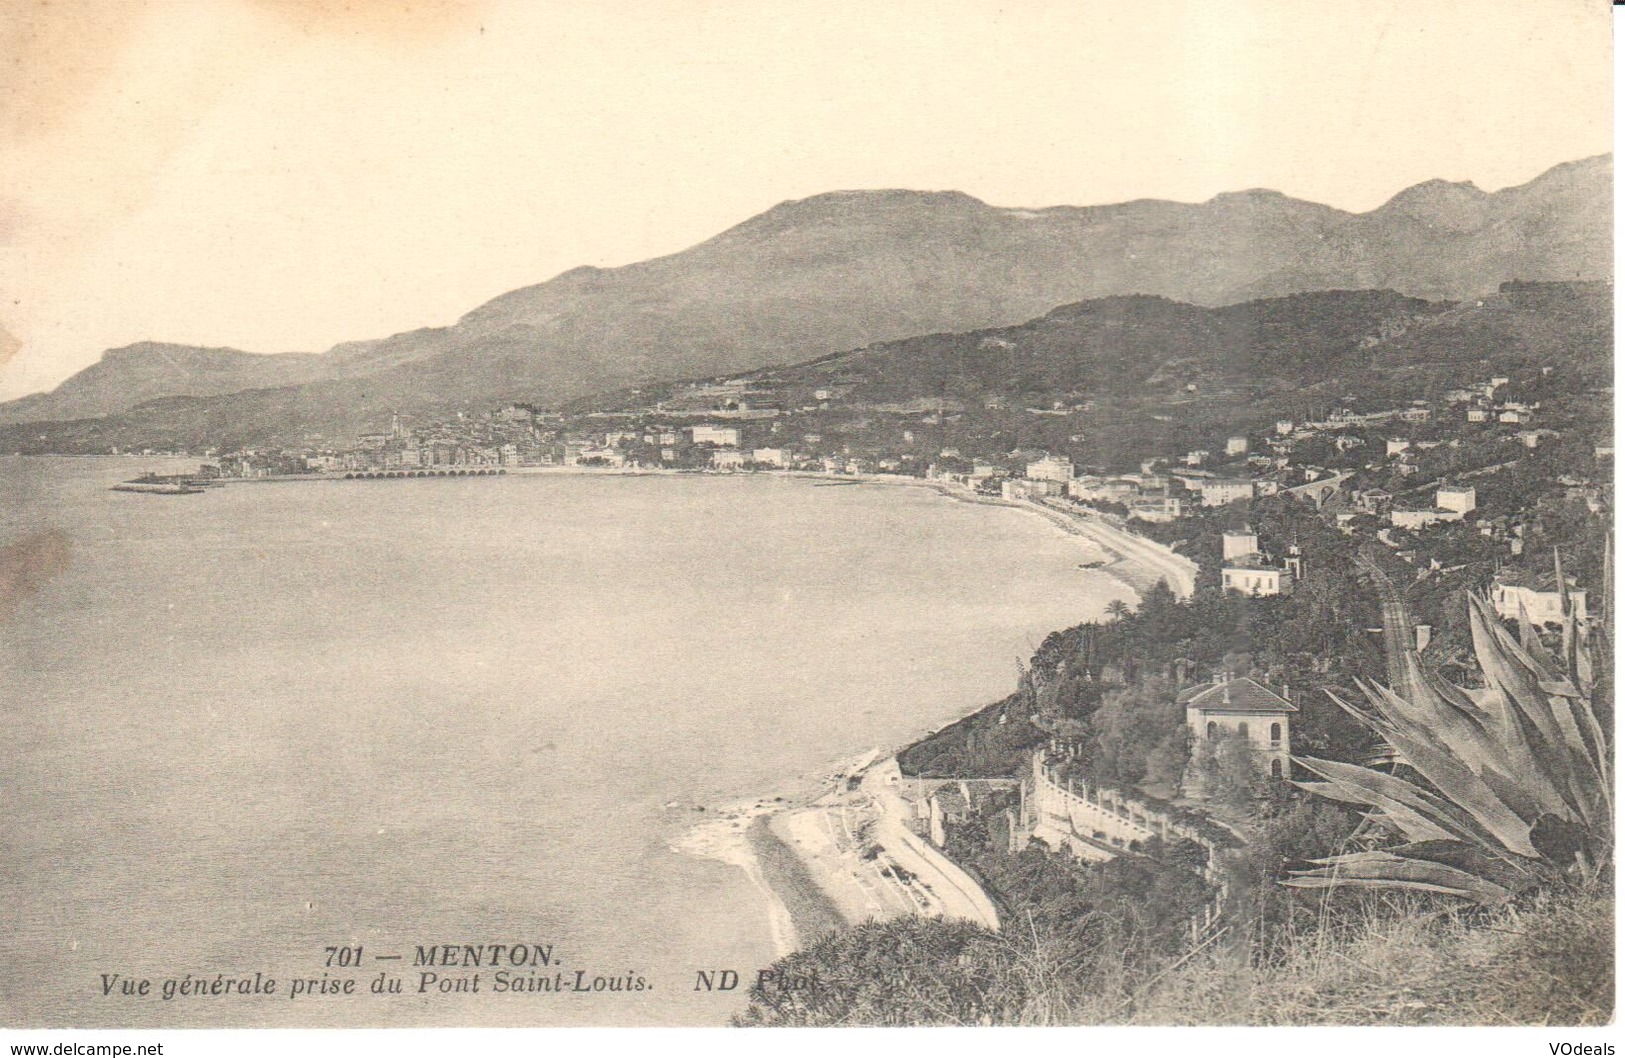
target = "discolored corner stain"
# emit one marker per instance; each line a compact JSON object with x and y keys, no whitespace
{"x":54,"y":53}
{"x":9,"y":345}
{"x":28,"y":565}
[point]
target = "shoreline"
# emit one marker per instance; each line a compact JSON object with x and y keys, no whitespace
{"x":1134,"y":561}
{"x":749,"y":835}
{"x":811,"y":912}
{"x":843,"y":855}
{"x":846,"y":853}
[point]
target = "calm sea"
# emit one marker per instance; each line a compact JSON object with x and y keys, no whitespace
{"x":245,"y":726}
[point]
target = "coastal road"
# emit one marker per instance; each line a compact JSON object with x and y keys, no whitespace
{"x":884,"y":900}
{"x":956,"y":892}
{"x":1153,"y":561}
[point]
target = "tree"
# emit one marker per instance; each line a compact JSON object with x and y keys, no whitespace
{"x":1139,"y":735}
{"x":904,"y":971}
{"x":1235,"y":778}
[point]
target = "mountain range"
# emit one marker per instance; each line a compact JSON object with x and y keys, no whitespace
{"x":842,"y":271}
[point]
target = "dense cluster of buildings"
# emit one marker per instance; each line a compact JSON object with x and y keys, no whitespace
{"x":1360,"y":452}
{"x":1354,"y":467}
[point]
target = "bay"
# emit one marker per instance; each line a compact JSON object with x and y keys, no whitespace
{"x":244,"y":726}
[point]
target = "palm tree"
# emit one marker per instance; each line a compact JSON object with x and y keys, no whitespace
{"x":1511,"y":782}
{"x":1117,"y":609}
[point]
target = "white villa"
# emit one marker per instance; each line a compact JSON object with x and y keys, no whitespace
{"x":722,"y":436}
{"x":1050,"y":468}
{"x":1462,"y":499}
{"x":1219,"y":491}
{"x":1538,"y":596}
{"x":1251,"y":575}
{"x":1421,"y":519}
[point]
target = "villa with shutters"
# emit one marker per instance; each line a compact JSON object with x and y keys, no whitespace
{"x":1241,"y":707}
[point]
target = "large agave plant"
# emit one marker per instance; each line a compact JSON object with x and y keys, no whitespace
{"x":1513,"y":780}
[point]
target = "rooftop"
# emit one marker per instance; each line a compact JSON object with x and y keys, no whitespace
{"x":1241,"y":694}
{"x":1546,"y":581}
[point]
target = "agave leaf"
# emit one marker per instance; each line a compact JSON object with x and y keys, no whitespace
{"x":1525,"y":696}
{"x":1560,"y":686}
{"x":1589,"y":767}
{"x":1513,"y":778}
{"x":1483,"y":893}
{"x":1412,"y":826}
{"x":1584,"y":737}
{"x":1507,"y":666}
{"x":1571,"y":641}
{"x":1529,"y":778}
{"x":1440,"y":765}
{"x":1584,"y":675}
{"x":1448,"y":750}
{"x":1395,"y":717}
{"x":1455,"y":723}
{"x":1461,"y":700}
{"x":1605,"y":611}
{"x":1386,"y":869}
{"x":1504,"y":871}
{"x":1529,"y":638}
{"x":1361,"y":712}
{"x":1420,"y":816}
{"x":1537,"y":725}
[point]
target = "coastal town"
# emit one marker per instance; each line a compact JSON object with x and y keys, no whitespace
{"x":809,"y":515}
{"x":1275,"y":560}
{"x":1476,"y":483}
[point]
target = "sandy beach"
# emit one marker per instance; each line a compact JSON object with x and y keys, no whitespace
{"x":840,"y":857}
{"x":848,"y":853}
{"x":809,"y":889}
{"x":1135,"y":561}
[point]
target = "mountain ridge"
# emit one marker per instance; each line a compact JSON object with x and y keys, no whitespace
{"x":1132,"y":358}
{"x":841,"y":270}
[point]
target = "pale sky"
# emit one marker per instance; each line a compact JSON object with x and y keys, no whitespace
{"x":280,"y":175}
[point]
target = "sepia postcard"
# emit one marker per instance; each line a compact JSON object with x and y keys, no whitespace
{"x":519,"y":514}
